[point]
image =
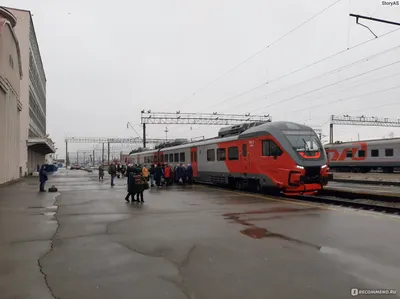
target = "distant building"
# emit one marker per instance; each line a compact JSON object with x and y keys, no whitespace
{"x":34,"y":144}
{"x":10,"y":104}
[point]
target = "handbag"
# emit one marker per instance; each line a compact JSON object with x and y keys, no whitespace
{"x":146,"y":186}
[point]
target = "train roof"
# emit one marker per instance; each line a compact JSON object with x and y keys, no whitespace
{"x":371,"y":141}
{"x":262,"y":129}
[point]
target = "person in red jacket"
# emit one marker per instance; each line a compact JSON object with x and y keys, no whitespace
{"x":167,"y":175}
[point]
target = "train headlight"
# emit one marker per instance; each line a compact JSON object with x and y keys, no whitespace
{"x":324,"y":166}
{"x":300,"y":167}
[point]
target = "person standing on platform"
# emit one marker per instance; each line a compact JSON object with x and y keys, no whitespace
{"x":189,"y":173}
{"x":112,"y":170}
{"x":167,"y":175}
{"x":145,"y":172}
{"x":140,"y":186}
{"x":152,"y":172}
{"x":131,"y":187}
{"x":158,"y":175}
{"x":101,"y":173}
{"x":42,"y":178}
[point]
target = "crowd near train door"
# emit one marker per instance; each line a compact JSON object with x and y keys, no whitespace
{"x":193,"y":160}
{"x":245,"y":159}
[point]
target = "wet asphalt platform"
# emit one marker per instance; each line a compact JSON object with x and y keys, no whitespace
{"x":186,"y":242}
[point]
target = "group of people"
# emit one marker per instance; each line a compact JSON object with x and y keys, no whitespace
{"x":164,"y":174}
{"x":138,"y":177}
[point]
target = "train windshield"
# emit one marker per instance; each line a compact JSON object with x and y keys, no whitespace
{"x":303,"y":141}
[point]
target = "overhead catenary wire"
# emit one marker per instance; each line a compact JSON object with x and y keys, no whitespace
{"x":258,"y":52}
{"x":329,"y":85}
{"x":299,"y":69}
{"x":319,"y":76}
{"x":352,"y":97}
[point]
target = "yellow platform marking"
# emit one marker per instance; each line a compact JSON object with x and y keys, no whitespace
{"x":386,"y":216}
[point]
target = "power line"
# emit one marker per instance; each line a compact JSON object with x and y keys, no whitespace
{"x":329,"y":85}
{"x":349,"y":98}
{"x":320,"y":76}
{"x":299,"y":69}
{"x":258,"y":52}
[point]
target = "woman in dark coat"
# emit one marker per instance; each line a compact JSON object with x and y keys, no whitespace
{"x":158,"y":174}
{"x":131,"y":184}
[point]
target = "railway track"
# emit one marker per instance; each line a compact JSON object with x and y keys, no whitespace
{"x":389,"y":207}
{"x":369,"y":202}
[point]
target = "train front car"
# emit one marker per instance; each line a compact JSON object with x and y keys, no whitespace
{"x":292,"y":157}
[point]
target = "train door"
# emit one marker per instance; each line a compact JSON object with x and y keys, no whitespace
{"x":193,"y":160}
{"x":245,"y":159}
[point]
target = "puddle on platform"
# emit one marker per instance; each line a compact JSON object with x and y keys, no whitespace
{"x":259,"y":233}
{"x":271,"y":210}
{"x":256,"y":232}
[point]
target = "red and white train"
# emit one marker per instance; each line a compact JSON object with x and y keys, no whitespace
{"x":364,"y":156}
{"x":281,"y":155}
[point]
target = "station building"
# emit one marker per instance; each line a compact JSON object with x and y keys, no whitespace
{"x":10,"y":101}
{"x":34,"y":142}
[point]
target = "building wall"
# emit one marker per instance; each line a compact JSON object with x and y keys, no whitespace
{"x":33,"y":90}
{"x":10,"y":106}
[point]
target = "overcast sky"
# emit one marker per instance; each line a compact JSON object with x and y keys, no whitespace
{"x":105,"y":61}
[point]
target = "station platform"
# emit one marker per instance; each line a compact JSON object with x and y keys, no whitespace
{"x":387,"y":191}
{"x":373,"y":178}
{"x":186,"y":242}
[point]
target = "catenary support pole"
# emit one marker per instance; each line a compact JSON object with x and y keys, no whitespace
{"x":108,"y":153}
{"x":66,"y":154}
{"x":144,"y":135}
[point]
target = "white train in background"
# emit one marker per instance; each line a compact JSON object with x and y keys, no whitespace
{"x":364,"y":156}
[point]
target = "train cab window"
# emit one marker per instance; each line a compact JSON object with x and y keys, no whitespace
{"x":244,"y":150}
{"x":375,"y":153}
{"x":361,"y":153}
{"x":210,"y":155}
{"x":176,"y":157}
{"x":221,"y":154}
{"x":233,"y":153}
{"x":389,"y":152}
{"x":270,"y":148}
{"x":182,"y":157}
{"x":171,"y":158}
{"x":166,"y":157}
{"x":349,"y":154}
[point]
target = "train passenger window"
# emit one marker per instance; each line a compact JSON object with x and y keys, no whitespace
{"x":375,"y":153}
{"x":166,"y":157}
{"x":244,"y":150}
{"x":389,"y":152}
{"x":349,"y":154}
{"x":182,"y":157}
{"x":361,"y":153}
{"x":210,"y":155}
{"x":233,"y":153}
{"x":161,"y":158}
{"x":270,"y":148}
{"x":221,"y":154}
{"x":171,"y":158}
{"x":176,"y":157}
{"x":195,"y":156}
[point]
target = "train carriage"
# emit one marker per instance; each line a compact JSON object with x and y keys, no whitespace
{"x":364,"y":156}
{"x":282,"y":155}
